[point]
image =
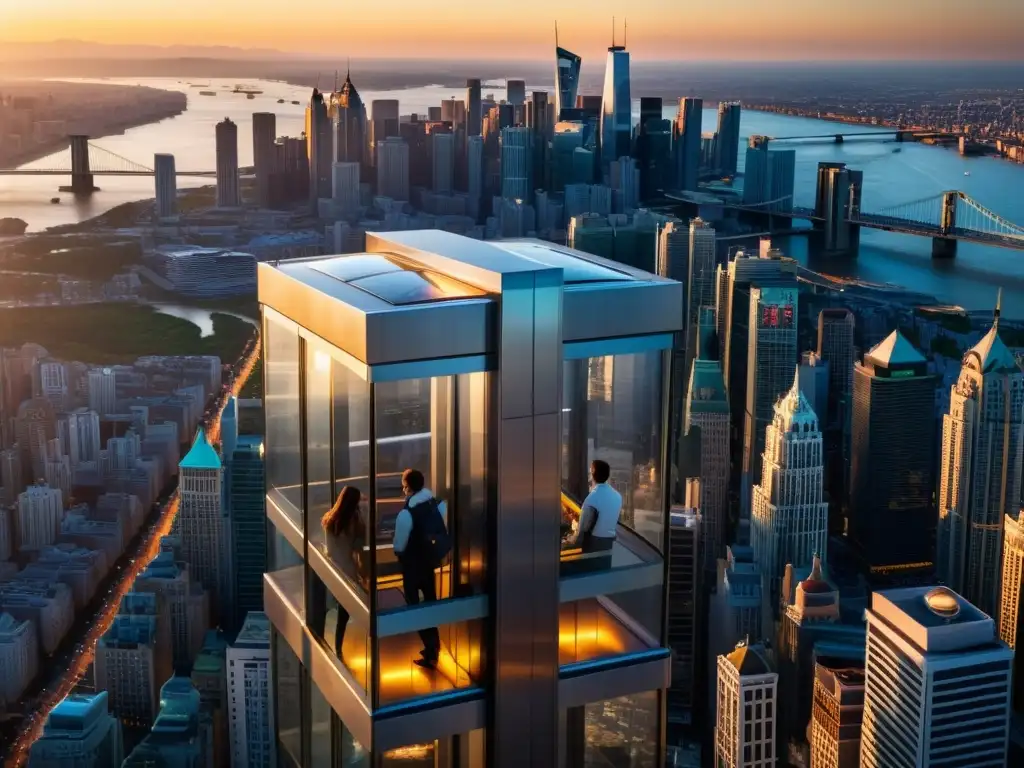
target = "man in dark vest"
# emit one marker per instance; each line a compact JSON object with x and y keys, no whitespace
{"x":421,"y":544}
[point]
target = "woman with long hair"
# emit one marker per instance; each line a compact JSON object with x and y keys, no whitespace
{"x":344,"y":532}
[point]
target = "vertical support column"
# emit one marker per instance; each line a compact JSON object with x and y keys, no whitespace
{"x":81,"y":173}
{"x":948,"y":222}
{"x":524,"y":564}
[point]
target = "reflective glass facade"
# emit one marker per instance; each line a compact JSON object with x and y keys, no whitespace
{"x":567,"y":80}
{"x":616,"y":108}
{"x":501,"y":392}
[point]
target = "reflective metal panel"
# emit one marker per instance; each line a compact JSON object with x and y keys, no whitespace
{"x":644,"y":672}
{"x":516,"y":352}
{"x":611,"y":310}
{"x":427,"y":725}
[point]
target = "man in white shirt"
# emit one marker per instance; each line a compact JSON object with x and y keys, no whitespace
{"x":599,"y":514}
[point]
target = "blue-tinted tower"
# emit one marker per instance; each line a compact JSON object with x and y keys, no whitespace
{"x":616,"y":107}
{"x":567,"y":78}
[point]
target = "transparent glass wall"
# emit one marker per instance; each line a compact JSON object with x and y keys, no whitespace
{"x":281,"y":406}
{"x":612,"y":410}
{"x":623,"y":732}
{"x":286,"y":568}
{"x":413,"y":431}
{"x":288,"y":677}
{"x":472,"y":502}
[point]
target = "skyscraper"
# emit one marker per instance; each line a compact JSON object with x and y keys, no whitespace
{"x":79,"y":732}
{"x":393,"y":168}
{"x":567,"y":79}
{"x":227,"y":164}
{"x":319,"y":147}
{"x":349,"y":124}
{"x":1011,"y":617}
{"x":813,"y":375}
{"x":166,"y":186}
{"x":937,"y":682}
{"x":727,"y":139}
{"x":685,"y":610}
{"x":384,"y":123}
{"x":132,"y":662}
{"x":516,"y":162}
{"x":40,"y":511}
{"x":789,"y":518}
{"x":769,"y":177}
{"x":248,"y":526}
{"x":771,"y":363}
{"x":264,"y":134}
{"x":982,"y":458}
{"x":201,"y":523}
{"x":707,"y":407}
{"x":474,"y":174}
{"x":442,"y":147}
{"x":616,"y":107}
{"x":686,"y":135}
{"x":837,"y":715}
{"x":836,"y":347}
{"x":747,"y":708}
{"x":251,"y":708}
{"x":701,"y":284}
{"x":515,"y":92}
{"x":473,"y":107}
{"x":892,"y":521}
{"x":734,"y":285}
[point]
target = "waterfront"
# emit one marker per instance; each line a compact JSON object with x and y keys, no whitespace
{"x":917,"y":172}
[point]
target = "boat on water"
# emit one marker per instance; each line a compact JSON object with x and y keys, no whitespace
{"x":295,"y":102}
{"x":898,"y":149}
{"x":280,"y":101}
{"x":207,"y":93}
{"x":250,"y":96}
{"x":967,"y":173}
{"x":55,"y":201}
{"x":247,"y":90}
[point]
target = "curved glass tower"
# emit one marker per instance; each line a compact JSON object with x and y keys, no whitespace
{"x":616,"y":115}
{"x":567,"y":79}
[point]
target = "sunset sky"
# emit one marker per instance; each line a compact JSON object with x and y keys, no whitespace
{"x":658,"y":29}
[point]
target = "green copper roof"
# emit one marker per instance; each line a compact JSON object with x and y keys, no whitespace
{"x":706,"y":393}
{"x":201,"y":455}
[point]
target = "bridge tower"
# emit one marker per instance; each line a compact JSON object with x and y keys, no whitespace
{"x":837,"y":206}
{"x":82,"y":182}
{"x":945,"y":247}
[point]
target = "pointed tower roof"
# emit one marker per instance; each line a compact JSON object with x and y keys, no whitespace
{"x":794,"y":408}
{"x":750,"y":659}
{"x":201,"y":455}
{"x":895,"y":350}
{"x":349,"y":96}
{"x":993,"y":353}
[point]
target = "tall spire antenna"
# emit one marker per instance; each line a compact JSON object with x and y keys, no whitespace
{"x":624,"y":22}
{"x":335,"y":81}
{"x":999,"y":307}
{"x":348,"y":67}
{"x":556,"y":34}
{"x":613,"y":31}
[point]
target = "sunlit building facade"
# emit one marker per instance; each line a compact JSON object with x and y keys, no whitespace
{"x":789,"y":522}
{"x":982,"y":458}
{"x":495,"y":369}
{"x":616,"y":107}
{"x":937,"y":683}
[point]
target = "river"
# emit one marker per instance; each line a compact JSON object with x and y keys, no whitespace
{"x":916,"y":172}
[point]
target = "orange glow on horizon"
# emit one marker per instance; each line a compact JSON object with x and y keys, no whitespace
{"x":658,"y":29}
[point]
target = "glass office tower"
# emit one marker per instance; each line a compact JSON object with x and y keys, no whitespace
{"x":616,"y":108}
{"x":567,"y":80}
{"x":495,"y":369}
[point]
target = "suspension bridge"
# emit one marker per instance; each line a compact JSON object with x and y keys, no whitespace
{"x":83,"y":160}
{"x":947,"y":218}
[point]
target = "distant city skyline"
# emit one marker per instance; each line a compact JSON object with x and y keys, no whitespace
{"x":790,"y":30}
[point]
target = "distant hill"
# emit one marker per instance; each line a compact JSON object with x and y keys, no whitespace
{"x":80,"y":49}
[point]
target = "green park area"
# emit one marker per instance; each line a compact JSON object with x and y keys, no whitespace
{"x":104,"y":334}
